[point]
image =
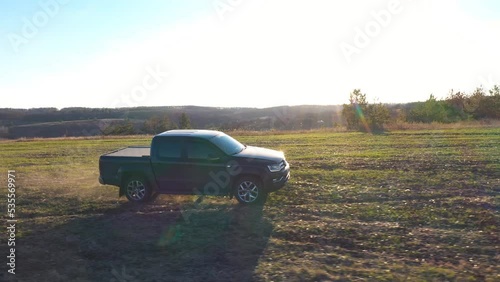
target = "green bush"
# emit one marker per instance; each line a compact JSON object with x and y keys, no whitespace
{"x":359,"y":115}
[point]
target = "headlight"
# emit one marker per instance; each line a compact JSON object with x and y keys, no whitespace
{"x":274,"y":167}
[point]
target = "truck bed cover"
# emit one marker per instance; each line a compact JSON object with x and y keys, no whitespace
{"x":133,"y":151}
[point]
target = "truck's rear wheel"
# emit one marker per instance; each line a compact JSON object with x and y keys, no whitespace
{"x":137,"y":190}
{"x":249,"y":190}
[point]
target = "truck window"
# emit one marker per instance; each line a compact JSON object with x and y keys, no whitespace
{"x":201,"y":150}
{"x":227,"y":144}
{"x":170,"y":149}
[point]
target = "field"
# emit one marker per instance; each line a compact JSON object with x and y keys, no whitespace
{"x":402,"y":206}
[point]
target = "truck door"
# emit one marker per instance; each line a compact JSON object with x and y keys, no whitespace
{"x":168,"y":162}
{"x":206,"y":169}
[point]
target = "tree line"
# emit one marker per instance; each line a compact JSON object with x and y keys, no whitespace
{"x":358,"y":114}
{"x":153,"y":125}
{"x":457,"y":106}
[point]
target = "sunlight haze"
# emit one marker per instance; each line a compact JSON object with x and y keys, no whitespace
{"x":246,"y":53}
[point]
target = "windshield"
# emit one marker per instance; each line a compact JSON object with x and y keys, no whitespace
{"x":227,"y":144}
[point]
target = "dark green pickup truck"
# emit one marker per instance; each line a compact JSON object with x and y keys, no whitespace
{"x":195,"y":162}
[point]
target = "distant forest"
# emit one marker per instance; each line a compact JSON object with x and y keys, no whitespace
{"x":358,"y":114}
{"x":51,"y":122}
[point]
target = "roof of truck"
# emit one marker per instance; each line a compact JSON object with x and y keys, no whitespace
{"x":207,"y":134}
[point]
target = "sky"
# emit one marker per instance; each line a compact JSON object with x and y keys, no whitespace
{"x":243,"y":53}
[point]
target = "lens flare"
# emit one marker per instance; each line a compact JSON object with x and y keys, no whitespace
{"x":361,"y":116}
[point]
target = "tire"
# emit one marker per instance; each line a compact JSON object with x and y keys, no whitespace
{"x":249,"y":190}
{"x":136,"y":189}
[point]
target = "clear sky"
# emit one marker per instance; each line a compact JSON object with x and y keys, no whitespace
{"x":256,"y":53}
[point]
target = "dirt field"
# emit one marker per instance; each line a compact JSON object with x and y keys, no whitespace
{"x":403,"y":206}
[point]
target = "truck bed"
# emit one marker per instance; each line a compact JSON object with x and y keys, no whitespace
{"x":134,"y":151}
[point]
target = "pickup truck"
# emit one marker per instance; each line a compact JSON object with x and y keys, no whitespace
{"x":195,"y":162}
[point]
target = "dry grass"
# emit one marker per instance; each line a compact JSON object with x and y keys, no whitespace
{"x":490,"y":123}
{"x":403,"y":206}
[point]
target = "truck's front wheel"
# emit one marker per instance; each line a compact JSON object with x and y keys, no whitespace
{"x":248,"y":190}
{"x":137,"y":189}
